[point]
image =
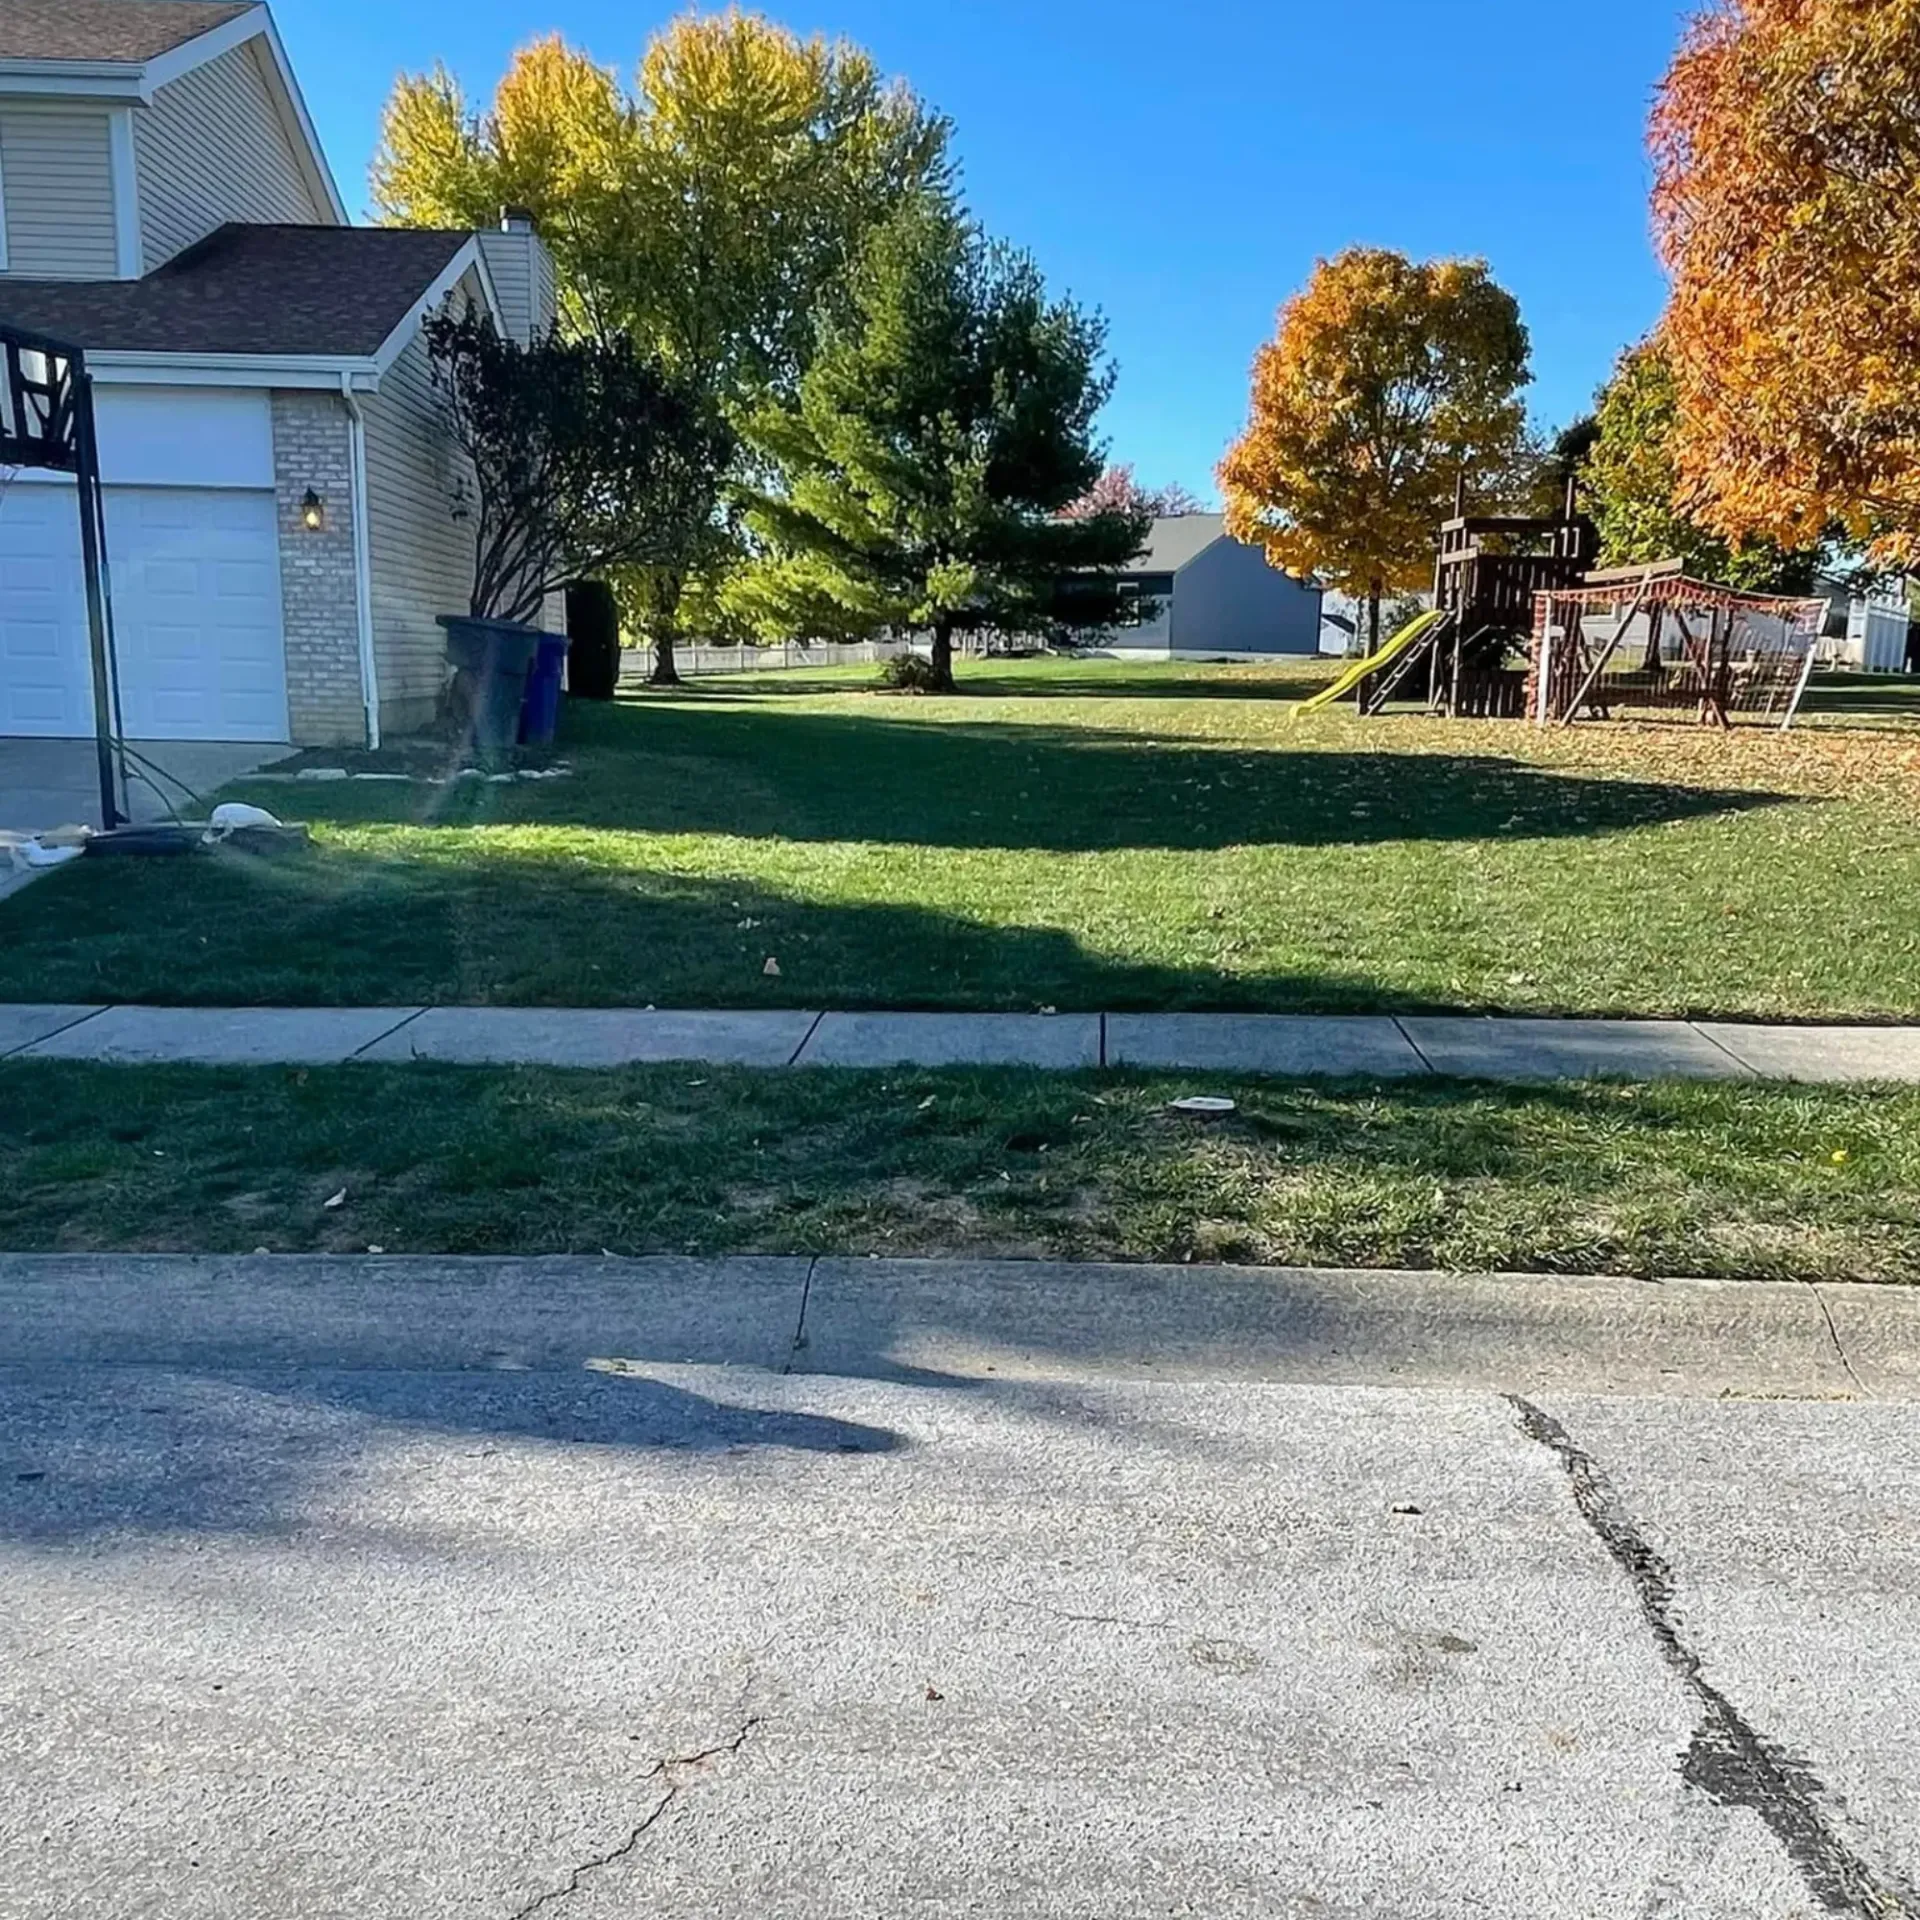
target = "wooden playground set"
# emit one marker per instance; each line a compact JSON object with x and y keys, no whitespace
{"x":1523,"y":626}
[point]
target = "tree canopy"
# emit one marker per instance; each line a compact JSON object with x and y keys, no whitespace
{"x":1630,"y":484}
{"x":583,"y":453}
{"x":943,"y":422}
{"x":709,"y":215}
{"x":1387,"y":381}
{"x":1786,"y":143}
{"x":1117,"y":491}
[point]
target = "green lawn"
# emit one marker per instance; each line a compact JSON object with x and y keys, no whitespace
{"x":1711,"y":1179}
{"x":1058,"y":835}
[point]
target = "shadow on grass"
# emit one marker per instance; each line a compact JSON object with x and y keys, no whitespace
{"x":501,"y":926}
{"x":721,"y":767}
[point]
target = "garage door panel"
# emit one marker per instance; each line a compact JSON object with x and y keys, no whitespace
{"x":245,"y":580}
{"x":43,"y":629}
{"x":196,"y":602}
{"x":159,"y":579}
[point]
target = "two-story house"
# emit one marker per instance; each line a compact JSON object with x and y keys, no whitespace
{"x":286,"y":513}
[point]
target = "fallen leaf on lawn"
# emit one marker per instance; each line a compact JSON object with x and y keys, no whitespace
{"x":337,"y":1200}
{"x":927,"y":1102}
{"x":772,"y":968}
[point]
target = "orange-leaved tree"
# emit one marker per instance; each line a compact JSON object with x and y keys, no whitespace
{"x":1388,"y":380}
{"x":1786,"y":144}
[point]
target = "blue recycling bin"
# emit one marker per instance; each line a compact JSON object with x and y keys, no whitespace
{"x":540,"y":710}
{"x":493,"y":657}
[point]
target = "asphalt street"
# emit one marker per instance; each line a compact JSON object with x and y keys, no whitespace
{"x":767,"y":1588}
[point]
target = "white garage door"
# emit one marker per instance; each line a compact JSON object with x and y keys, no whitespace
{"x":196,"y":613}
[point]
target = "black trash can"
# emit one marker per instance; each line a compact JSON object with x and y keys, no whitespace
{"x":492,"y":657}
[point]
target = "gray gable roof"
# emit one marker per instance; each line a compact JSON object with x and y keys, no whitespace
{"x":1175,"y":539}
{"x":113,"y":30}
{"x":330,"y":291}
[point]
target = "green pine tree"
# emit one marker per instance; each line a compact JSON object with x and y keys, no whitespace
{"x":941,"y":426}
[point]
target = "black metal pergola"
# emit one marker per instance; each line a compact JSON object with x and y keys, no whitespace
{"x":46,"y":422}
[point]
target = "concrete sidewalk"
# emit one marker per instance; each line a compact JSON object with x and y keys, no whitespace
{"x":1380,"y":1046}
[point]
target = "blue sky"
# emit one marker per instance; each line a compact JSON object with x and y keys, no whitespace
{"x":1181,"y":167}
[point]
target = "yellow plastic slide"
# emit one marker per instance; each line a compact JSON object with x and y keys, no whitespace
{"x":1410,"y":635}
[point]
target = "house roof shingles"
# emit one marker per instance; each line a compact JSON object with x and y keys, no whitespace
{"x":1176,"y":538}
{"x":127,"y":31}
{"x":326,"y":291}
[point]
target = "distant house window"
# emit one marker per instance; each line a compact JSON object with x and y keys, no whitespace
{"x":1144,"y":597}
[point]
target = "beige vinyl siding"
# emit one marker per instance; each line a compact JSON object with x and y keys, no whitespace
{"x":56,"y":171}
{"x":509,"y":258}
{"x":422,"y":557}
{"x":521,"y":270}
{"x":214,"y":148}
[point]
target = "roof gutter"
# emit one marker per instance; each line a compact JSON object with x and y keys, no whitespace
{"x":122,"y":80}
{"x":362,"y":559}
{"x":145,"y":367}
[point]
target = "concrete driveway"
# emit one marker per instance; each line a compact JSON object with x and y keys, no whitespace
{"x":54,"y":783}
{"x":579,"y":1589}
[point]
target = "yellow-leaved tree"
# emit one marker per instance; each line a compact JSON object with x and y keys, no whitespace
{"x":1389,"y":379}
{"x":711,"y":213}
{"x":1787,"y":199}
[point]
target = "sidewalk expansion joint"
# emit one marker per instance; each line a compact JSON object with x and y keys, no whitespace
{"x":388,"y":1033}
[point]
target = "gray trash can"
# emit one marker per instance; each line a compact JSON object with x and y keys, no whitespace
{"x":495,"y":656}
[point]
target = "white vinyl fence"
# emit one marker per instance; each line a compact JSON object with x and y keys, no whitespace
{"x":692,"y":659}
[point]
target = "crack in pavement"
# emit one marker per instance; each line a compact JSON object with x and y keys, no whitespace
{"x":1726,"y":1758}
{"x":1094,"y":1619}
{"x":1839,"y":1345}
{"x":660,"y":1770}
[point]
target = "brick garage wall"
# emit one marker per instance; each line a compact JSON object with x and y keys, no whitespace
{"x":325,"y":706}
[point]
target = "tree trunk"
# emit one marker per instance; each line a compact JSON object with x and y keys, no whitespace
{"x":941,"y":659}
{"x":665,"y":673}
{"x":665,"y":599}
{"x":1373,"y":618}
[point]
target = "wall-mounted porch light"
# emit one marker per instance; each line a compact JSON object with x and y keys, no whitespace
{"x":313,"y":512}
{"x":462,"y":503}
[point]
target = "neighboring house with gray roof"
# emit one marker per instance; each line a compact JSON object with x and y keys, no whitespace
{"x":286,"y":510}
{"x":1203,"y":595}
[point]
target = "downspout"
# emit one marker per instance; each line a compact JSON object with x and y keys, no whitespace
{"x":362,"y":558}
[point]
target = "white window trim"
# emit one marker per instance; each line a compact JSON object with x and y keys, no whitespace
{"x":3,"y":222}
{"x":126,"y":194}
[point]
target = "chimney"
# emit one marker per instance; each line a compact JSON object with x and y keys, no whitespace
{"x":522,"y":273}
